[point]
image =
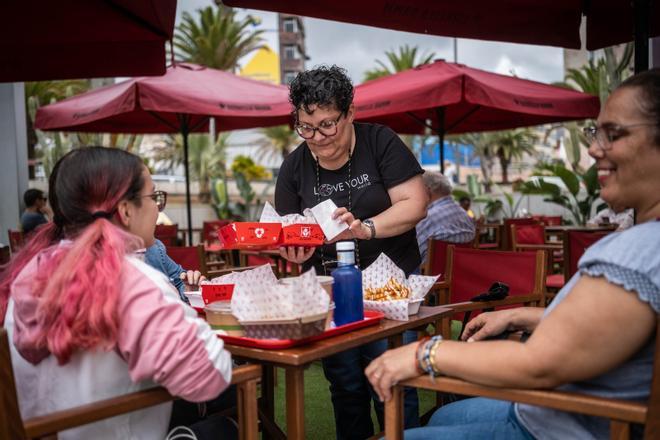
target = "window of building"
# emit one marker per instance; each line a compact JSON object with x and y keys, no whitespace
{"x":289,"y":25}
{"x":289,"y":76}
{"x":290,"y":52}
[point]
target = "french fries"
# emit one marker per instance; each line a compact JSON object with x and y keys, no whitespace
{"x":393,"y":290}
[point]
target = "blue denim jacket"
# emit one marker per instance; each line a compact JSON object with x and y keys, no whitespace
{"x":156,"y":257}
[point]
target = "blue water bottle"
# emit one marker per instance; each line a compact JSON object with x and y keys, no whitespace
{"x":347,"y":286}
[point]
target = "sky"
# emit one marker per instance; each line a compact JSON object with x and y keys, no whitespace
{"x":356,"y":47}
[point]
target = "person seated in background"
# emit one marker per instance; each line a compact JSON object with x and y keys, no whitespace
{"x":445,"y":220}
{"x":598,"y":335}
{"x":88,"y":320}
{"x":156,"y":257}
{"x":613,"y":215}
{"x":36,"y":210}
{"x":451,"y":172}
{"x":465,"y":203}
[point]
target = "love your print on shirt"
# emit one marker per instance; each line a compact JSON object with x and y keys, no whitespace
{"x":327,"y":189}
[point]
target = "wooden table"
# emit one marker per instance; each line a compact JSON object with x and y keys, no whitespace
{"x":295,"y":360}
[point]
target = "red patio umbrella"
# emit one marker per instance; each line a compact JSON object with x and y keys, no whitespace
{"x":546,"y":22}
{"x":181,"y":101}
{"x":459,"y":99}
{"x":64,"y":39}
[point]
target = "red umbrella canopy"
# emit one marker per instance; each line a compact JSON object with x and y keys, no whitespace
{"x":187,"y":92}
{"x":546,"y":22}
{"x":65,"y":39}
{"x":473,"y":100}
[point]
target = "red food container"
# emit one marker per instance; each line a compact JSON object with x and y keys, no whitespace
{"x":302,"y":234}
{"x":250,"y":235}
{"x":216,"y":292}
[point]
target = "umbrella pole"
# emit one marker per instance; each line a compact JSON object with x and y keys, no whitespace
{"x":185,"y":129}
{"x":641,"y":24}
{"x":440,"y":130}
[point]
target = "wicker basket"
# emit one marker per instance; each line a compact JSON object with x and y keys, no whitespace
{"x":286,"y":329}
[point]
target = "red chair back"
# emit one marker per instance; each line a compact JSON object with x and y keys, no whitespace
{"x":15,"y":240}
{"x":575,"y":244}
{"x":552,"y":220}
{"x":210,"y":231}
{"x":528,"y":234}
{"x":436,"y":257}
{"x":506,"y":239}
{"x":189,"y":257}
{"x":474,"y":270}
{"x":5,"y":255}
{"x":168,"y":234}
{"x":520,"y":221}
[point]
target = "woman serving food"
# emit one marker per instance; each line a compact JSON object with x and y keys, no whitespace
{"x":374,"y":179}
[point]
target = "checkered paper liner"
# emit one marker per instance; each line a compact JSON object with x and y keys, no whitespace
{"x":263,"y":273}
{"x":379,"y":273}
{"x":256,"y":299}
{"x":269,"y":215}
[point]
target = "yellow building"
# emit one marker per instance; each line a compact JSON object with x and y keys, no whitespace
{"x":264,"y":66}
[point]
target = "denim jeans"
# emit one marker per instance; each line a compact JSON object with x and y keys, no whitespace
{"x":477,"y":418}
{"x":352,"y":393}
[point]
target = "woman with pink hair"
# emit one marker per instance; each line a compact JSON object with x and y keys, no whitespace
{"x":87,"y":319}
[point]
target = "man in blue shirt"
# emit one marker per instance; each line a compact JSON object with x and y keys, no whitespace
{"x":35,"y":210}
{"x":445,"y":219}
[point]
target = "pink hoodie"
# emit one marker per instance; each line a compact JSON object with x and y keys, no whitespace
{"x":160,"y":340}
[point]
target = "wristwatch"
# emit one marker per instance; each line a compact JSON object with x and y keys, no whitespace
{"x":370,"y":224}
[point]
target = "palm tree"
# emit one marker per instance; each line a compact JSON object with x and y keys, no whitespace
{"x":206,"y":160}
{"x":484,"y":148}
{"x":597,"y":78}
{"x":279,"y":140}
{"x":218,"y":39}
{"x":40,"y":93}
{"x":600,"y":77}
{"x":405,"y":59}
{"x":512,"y":144}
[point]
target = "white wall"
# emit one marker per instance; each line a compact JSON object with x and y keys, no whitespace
{"x":13,"y":156}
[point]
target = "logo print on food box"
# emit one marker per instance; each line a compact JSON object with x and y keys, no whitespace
{"x":305,"y":232}
{"x":259,"y":232}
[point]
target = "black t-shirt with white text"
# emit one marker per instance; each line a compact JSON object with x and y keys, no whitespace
{"x":380,"y":161}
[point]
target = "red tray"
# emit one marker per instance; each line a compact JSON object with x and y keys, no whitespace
{"x":371,"y":317}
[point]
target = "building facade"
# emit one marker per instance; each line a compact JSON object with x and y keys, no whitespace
{"x":292,"y":46}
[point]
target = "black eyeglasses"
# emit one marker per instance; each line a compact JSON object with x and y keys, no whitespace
{"x":326,"y":128}
{"x":160,"y":197}
{"x":605,"y":135}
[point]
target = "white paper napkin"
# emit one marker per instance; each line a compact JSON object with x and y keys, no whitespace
{"x":323,"y":215}
{"x":269,"y":215}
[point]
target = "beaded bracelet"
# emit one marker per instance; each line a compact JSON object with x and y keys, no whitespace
{"x":433,"y":368}
{"x":425,"y":353}
{"x":418,"y":354}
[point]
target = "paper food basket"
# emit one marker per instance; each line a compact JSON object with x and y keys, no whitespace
{"x":298,"y":328}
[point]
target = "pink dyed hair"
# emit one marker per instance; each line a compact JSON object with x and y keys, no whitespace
{"x":77,"y":287}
